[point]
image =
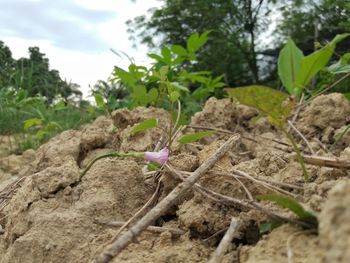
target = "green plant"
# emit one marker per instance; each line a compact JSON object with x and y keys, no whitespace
{"x":276,"y":105}
{"x":296,"y":70}
{"x":307,"y":218}
{"x":166,"y":81}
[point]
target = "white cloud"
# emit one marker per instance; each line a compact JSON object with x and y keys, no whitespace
{"x":75,"y":35}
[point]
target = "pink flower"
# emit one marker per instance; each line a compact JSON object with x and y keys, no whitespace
{"x":159,"y":157}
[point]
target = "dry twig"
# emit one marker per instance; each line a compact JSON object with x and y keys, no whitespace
{"x":325,"y":161}
{"x":155,"y":229}
{"x":302,"y":137}
{"x":126,"y":238}
{"x":225,"y":241}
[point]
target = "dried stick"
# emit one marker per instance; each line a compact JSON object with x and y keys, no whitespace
{"x":302,"y":137}
{"x":269,"y":181}
{"x":246,"y":137}
{"x":225,"y":241}
{"x":248,"y":204}
{"x":155,"y":229}
{"x":325,"y":161}
{"x":116,"y":247}
{"x":264,"y":184}
{"x":296,"y":114}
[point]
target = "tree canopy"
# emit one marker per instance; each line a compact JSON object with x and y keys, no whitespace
{"x":231,"y":46}
{"x":34,"y":75}
{"x":235,"y":45}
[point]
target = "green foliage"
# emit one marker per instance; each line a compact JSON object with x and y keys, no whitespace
{"x":275,"y":104}
{"x":308,"y":22}
{"x":145,"y":125}
{"x":231,"y":47}
{"x":34,"y":75}
{"x":99,"y":101}
{"x":6,"y":65}
{"x":188,"y":138}
{"x":268,"y":227}
{"x":41,"y":125}
{"x":292,"y":205}
{"x":342,"y":66}
{"x":165,"y":81}
{"x":289,"y":62}
{"x":32,"y":121}
{"x":296,"y":70}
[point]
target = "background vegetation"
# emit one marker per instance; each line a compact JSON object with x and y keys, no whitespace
{"x":232,"y":48}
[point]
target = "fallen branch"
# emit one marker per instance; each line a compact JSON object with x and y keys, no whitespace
{"x":325,"y":161}
{"x":302,"y":137}
{"x":223,"y":131}
{"x":180,"y":190}
{"x":155,"y":229}
{"x":225,"y":241}
{"x":242,"y":203}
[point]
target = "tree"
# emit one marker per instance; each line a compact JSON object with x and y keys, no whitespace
{"x":109,"y":89}
{"x":34,"y":75}
{"x":314,"y":21}
{"x":6,"y":65}
{"x":231,"y":47}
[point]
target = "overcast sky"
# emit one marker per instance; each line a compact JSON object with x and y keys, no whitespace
{"x":76,"y":35}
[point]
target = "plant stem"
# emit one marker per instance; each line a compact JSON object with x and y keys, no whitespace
{"x":111,"y":154}
{"x":298,"y":153}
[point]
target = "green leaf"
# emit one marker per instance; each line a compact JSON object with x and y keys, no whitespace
{"x":99,"y":101}
{"x":156,"y":57}
{"x":289,"y":203}
{"x":41,"y":134}
{"x":188,"y":138}
{"x":152,"y":95}
{"x":195,"y":41}
{"x":276,"y":104}
{"x":313,"y":63}
{"x":146,"y":124}
{"x":178,"y":60}
{"x":32,"y":122}
{"x":180,"y":87}
{"x":289,"y":61}
{"x":337,"y":68}
{"x":166,"y":55}
{"x":163,"y":71}
{"x":265,"y":228}
{"x":140,"y":95}
{"x":173,"y":96}
{"x":179,"y":50}
{"x":60,"y":106}
{"x":192,"y":42}
{"x":153,"y":166}
{"x":338,"y":38}
{"x":52,"y":126}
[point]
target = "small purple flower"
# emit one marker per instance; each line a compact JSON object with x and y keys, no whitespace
{"x":159,"y":157}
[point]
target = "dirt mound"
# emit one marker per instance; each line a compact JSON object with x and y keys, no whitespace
{"x":52,"y":216}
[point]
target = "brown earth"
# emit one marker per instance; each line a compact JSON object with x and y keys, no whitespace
{"x":49,"y":216}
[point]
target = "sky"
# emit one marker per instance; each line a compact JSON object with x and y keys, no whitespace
{"x":75,"y":35}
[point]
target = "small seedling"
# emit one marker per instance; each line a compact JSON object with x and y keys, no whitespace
{"x":189,"y":138}
{"x":296,"y":70}
{"x":158,"y":157}
{"x":307,"y":218}
{"x":276,"y":105}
